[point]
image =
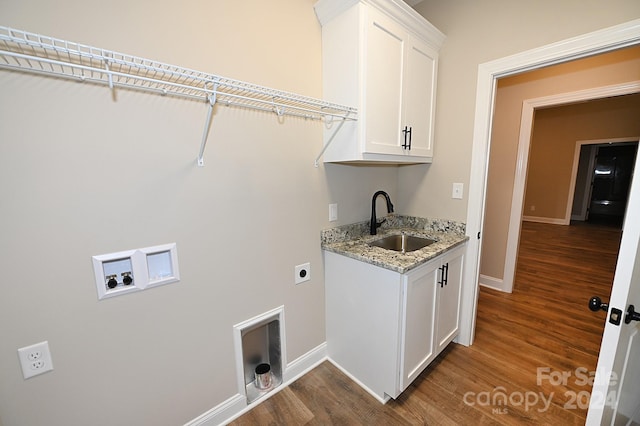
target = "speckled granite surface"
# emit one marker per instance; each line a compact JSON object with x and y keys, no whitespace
{"x":352,"y":241}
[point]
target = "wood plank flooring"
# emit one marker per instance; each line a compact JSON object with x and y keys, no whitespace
{"x":529,"y":364}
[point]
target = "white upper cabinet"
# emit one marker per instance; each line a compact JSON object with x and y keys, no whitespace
{"x":381,"y":56}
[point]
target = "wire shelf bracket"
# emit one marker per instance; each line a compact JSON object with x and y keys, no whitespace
{"x":330,"y":139}
{"x":44,"y":55}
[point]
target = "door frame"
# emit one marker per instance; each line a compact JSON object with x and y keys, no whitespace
{"x":605,"y":40}
{"x":524,"y":142}
{"x":586,"y":185}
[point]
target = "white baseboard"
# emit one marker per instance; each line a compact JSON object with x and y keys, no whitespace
{"x":305,"y":363}
{"x":221,"y":413}
{"x":236,"y":406}
{"x":491,"y":282}
{"x":540,"y":219}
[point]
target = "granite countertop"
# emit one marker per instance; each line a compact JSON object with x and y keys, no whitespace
{"x":352,"y":241}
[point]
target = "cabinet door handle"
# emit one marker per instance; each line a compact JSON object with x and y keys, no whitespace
{"x":444,"y":270}
{"x":406,"y":131}
{"x":446,"y":273}
{"x":442,"y":280}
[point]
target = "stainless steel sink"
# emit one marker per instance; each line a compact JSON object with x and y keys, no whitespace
{"x":402,"y":243}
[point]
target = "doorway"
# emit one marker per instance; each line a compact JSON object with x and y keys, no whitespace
{"x":585,"y":166}
{"x":546,"y":162}
{"x":610,"y":180}
{"x":602,"y":41}
{"x":606,"y":40}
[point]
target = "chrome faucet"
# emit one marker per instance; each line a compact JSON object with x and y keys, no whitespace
{"x":374,"y":225}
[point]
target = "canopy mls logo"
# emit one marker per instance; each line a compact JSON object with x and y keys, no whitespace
{"x":500,"y":400}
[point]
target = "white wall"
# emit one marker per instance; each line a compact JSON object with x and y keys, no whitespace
{"x":81,"y":175}
{"x":478,"y":32}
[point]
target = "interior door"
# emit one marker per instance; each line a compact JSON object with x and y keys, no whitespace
{"x":615,"y":398}
{"x":611,"y":180}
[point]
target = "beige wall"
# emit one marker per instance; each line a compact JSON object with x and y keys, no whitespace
{"x":612,"y":68}
{"x":553,"y":145}
{"x":82,"y":175}
{"x":478,"y":32}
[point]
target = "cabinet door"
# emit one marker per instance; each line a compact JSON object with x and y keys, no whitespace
{"x":419,"y":303}
{"x":383,"y":81}
{"x":448,"y":310}
{"x":419,"y":96}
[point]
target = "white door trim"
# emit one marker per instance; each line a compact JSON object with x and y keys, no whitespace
{"x":586,"y":194}
{"x":524,"y":142}
{"x":605,"y":40}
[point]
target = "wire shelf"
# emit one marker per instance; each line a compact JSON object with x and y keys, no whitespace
{"x":24,"y":51}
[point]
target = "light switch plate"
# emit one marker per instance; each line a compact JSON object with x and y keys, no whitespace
{"x":333,"y":212}
{"x":457,"y":191}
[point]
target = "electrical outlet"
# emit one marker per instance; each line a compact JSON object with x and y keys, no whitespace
{"x":35,"y":359}
{"x":302,"y":273}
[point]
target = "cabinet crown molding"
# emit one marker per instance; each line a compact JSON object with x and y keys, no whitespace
{"x":326,"y":10}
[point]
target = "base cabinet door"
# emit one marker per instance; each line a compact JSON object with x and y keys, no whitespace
{"x":419,"y":303}
{"x":448,"y":296}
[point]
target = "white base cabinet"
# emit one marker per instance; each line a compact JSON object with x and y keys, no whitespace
{"x":381,"y":56}
{"x":383,"y":327}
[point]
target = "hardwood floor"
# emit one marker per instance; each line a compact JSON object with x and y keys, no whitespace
{"x":530,"y":363}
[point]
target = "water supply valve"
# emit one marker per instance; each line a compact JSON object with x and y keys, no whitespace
{"x":112,"y":282}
